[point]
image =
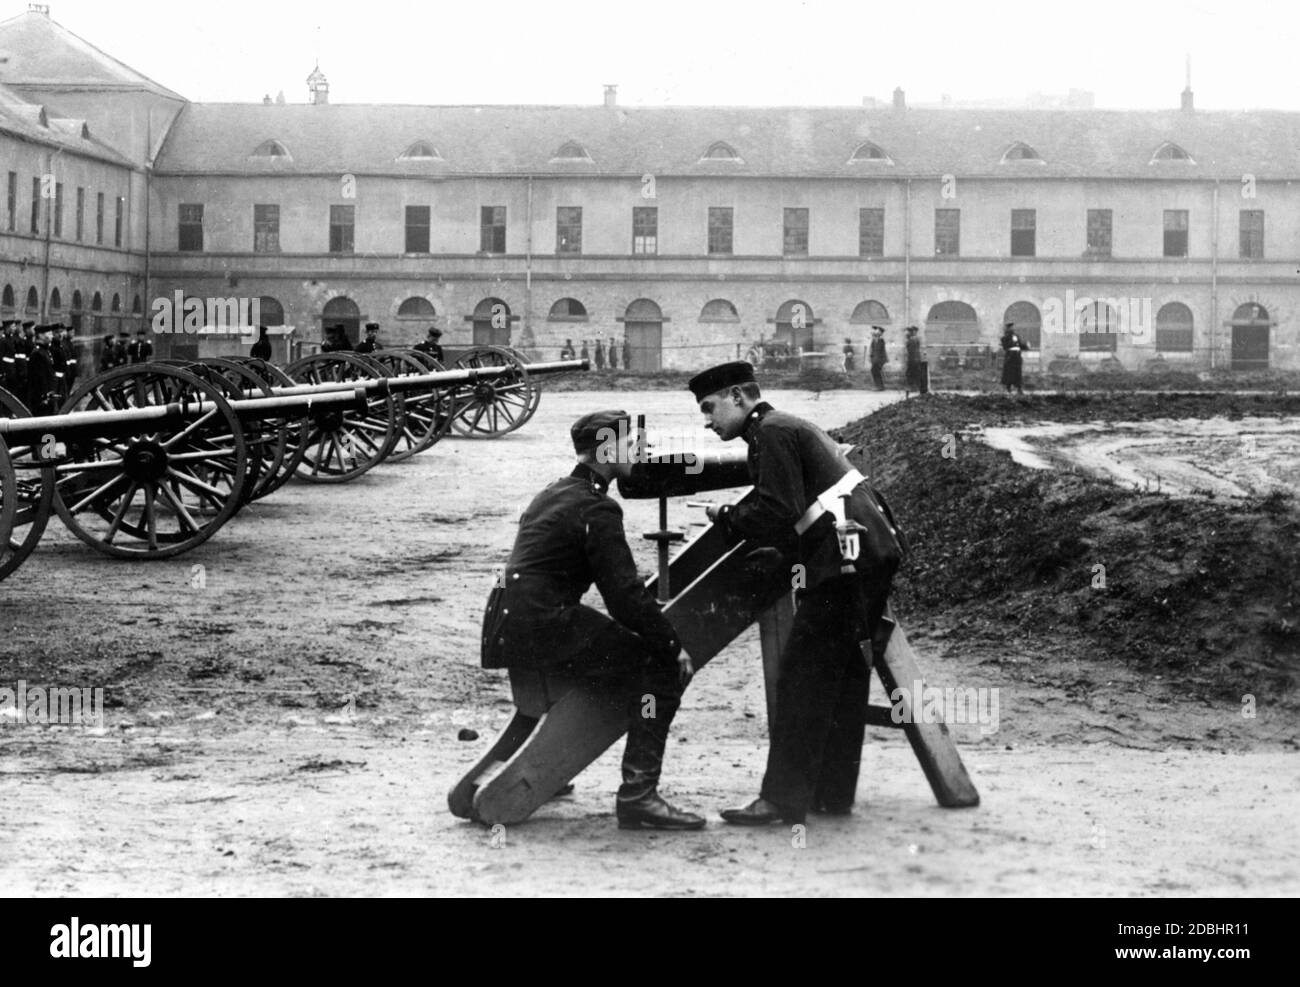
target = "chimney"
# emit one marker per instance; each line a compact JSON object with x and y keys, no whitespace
{"x":39,"y":8}
{"x":899,"y":103}
{"x":318,"y":87}
{"x":611,"y":94}
{"x":1187,"y":88}
{"x":266,"y":100}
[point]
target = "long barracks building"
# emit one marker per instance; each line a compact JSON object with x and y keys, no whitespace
{"x":693,"y":232}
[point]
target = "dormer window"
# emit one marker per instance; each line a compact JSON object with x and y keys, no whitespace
{"x":272,"y":149}
{"x":1021,"y":151}
{"x":571,"y":151}
{"x":1169,"y":151}
{"x":420,"y":151}
{"x":720,"y":151}
{"x":870,"y":152}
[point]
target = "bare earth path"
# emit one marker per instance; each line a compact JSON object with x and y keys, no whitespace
{"x":291,"y":727}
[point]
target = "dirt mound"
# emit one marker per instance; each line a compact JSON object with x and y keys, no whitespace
{"x":1197,"y":588}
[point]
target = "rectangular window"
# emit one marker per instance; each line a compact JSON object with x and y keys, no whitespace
{"x":417,"y":229}
{"x":117,"y":222}
{"x":568,"y":229}
{"x":99,"y":217}
{"x":492,"y":230}
{"x":871,"y":232}
{"x":191,"y":226}
{"x":947,"y":232}
{"x":1098,"y":233}
{"x":1175,"y":232}
{"x":36,"y":206}
{"x":794,"y":237}
{"x":720,"y":226}
{"x":1252,"y":234}
{"x":81,"y":214}
{"x":343,"y":224}
{"x":645,"y":229}
{"x":58,"y":210}
{"x":266,"y":229}
{"x":1024,"y":232}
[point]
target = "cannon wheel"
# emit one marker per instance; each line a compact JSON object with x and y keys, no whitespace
{"x":158,"y":489}
{"x":267,"y":439}
{"x":341,"y":445}
{"x":295,"y":435}
{"x":489,"y":409}
{"x":426,"y":420}
{"x":26,"y":494}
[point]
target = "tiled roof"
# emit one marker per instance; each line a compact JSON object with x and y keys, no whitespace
{"x":773,"y":141}
{"x":26,"y":120}
{"x":42,"y":52}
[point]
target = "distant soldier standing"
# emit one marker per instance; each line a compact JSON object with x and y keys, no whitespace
{"x":261,"y":350}
{"x":627,"y":354}
{"x":566,"y":351}
{"x":583,"y":354}
{"x":613,"y":356}
{"x":107,"y":360}
{"x":140,"y":350}
{"x":848,"y":355}
{"x":600,"y":354}
{"x":878,"y":357}
{"x":431,"y":344}
{"x":59,"y":360}
{"x":913,"y":371}
{"x":371,"y":343}
{"x":72,"y":363}
{"x":42,"y":383}
{"x":23,"y":346}
{"x":1012,"y":368}
{"x":7,"y":355}
{"x":122,"y":350}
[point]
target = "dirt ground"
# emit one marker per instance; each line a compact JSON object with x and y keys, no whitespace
{"x":285,"y":721}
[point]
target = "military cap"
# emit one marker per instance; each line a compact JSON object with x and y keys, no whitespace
{"x":723,"y":375}
{"x":1008,"y":325}
{"x":878,"y":328}
{"x":912,"y":329}
{"x":123,"y":335}
{"x":434,"y":331}
{"x":29,"y":324}
{"x":140,"y":332}
{"x":587,"y":430}
{"x":372,"y":327}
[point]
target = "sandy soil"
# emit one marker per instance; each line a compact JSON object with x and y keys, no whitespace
{"x":290,"y":727}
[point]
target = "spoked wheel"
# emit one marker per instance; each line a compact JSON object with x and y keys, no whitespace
{"x":295,"y":435}
{"x":26,"y":492}
{"x":342,"y":444}
{"x":151,"y":489}
{"x":426,"y":420}
{"x":488,"y":409}
{"x":267,"y":438}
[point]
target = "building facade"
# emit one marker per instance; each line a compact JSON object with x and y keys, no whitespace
{"x":693,"y":233}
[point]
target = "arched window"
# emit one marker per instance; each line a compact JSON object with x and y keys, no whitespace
{"x":74,"y":313}
{"x":116,"y":305}
{"x":56,"y":300}
{"x":136,"y":308}
{"x":270,"y":311}
{"x":97,"y":311}
{"x":1169,"y":151}
{"x":1098,"y":327}
{"x":720,"y":151}
{"x":417,"y":308}
{"x":719,"y":310}
{"x":1028,"y":323}
{"x":869,"y":313}
{"x":1020,"y":151}
{"x":491,"y":321}
{"x":420,"y":151}
{"x":7,"y":298}
{"x":870,"y":152}
{"x":33,"y":301}
{"x":567,"y":310}
{"x":271,"y":149}
{"x":951,"y":323}
{"x":1174,"y":328}
{"x":571,"y":151}
{"x":794,"y":324}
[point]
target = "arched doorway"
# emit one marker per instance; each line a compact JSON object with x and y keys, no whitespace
{"x":1098,"y":327}
{"x":342,"y":311}
{"x":1028,"y":323}
{"x":794,"y":325}
{"x":1174,"y":328}
{"x":643,"y":324}
{"x":952,"y":324}
{"x":492,"y":320}
{"x":1250,"y":327}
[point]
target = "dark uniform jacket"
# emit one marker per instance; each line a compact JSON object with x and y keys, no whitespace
{"x":42,"y":385}
{"x":878,"y":351}
{"x":433,"y":349}
{"x":570,"y":536}
{"x":368,"y":345}
{"x":792,"y":462}
{"x":261,"y":350}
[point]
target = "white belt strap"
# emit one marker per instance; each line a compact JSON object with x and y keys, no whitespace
{"x":829,"y":500}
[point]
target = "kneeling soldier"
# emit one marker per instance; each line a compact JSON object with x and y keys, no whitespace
{"x":570,"y":536}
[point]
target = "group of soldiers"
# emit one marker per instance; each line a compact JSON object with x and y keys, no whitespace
{"x":1013,"y":345}
{"x":38,"y":363}
{"x":124,"y":351}
{"x":571,"y":535}
{"x":599,"y":355}
{"x":336,"y":340}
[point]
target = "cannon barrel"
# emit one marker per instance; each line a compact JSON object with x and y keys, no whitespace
{"x":680,"y":474}
{"x":433,"y":381}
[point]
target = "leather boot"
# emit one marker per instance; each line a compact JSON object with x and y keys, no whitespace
{"x":652,"y":811}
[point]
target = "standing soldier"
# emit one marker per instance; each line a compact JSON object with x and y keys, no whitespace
{"x":140,"y":350}
{"x":600,"y":354}
{"x":59,"y":360}
{"x":848,"y":355}
{"x":613,"y":356}
{"x":23,"y":346}
{"x":336,"y":340}
{"x":42,"y":382}
{"x":627,"y":354}
{"x":804,"y":490}
{"x":107,"y":360}
{"x":371,"y":343}
{"x":566,"y":352}
{"x":1011,"y":364}
{"x":72,"y":363}
{"x":431,"y":344}
{"x":7,"y":355}
{"x":582,"y":353}
{"x":122,"y":350}
{"x":571,"y":536}
{"x":913,"y":371}
{"x":878,"y":357}
{"x":261,"y":350}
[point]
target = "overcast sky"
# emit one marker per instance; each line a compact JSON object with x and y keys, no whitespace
{"x":1130,"y":54}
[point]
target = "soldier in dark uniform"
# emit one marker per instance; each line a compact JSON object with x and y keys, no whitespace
{"x":913,"y":372}
{"x":371,"y":343}
{"x":42,"y":382}
{"x":627,"y":354}
{"x":582,"y":353}
{"x":141,"y":350}
{"x":72,"y":361}
{"x":848,"y":355}
{"x":107,"y":356}
{"x":567,"y":353}
{"x":23,"y":346}
{"x":431,"y":344}
{"x":261,"y":350}
{"x":59,"y":360}
{"x":613,"y":356}
{"x":336,"y":341}
{"x":122,"y":350}
{"x":600,"y":354}
{"x":803,"y":488}
{"x":7,"y":354}
{"x":570,"y":536}
{"x":1012,"y":368}
{"x":878,"y":357}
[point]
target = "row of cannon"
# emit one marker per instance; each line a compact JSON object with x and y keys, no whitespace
{"x":150,"y":460}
